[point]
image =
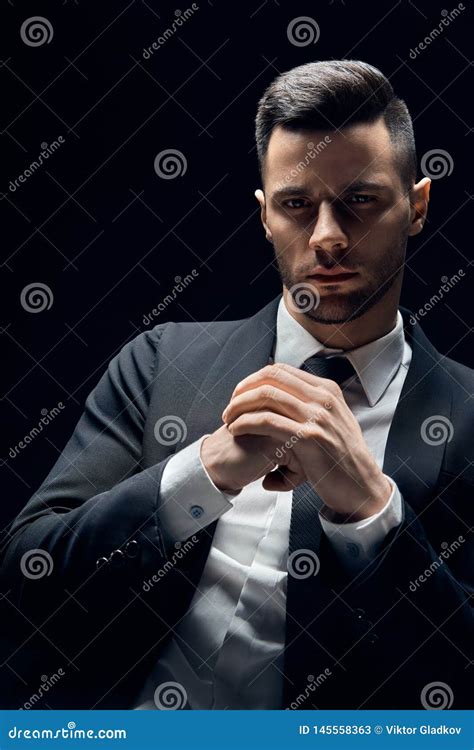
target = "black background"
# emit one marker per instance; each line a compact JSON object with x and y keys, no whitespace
{"x":99,"y":227}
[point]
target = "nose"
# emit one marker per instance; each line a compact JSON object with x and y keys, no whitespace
{"x":328,"y":234}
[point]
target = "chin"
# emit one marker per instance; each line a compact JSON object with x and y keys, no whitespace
{"x":339,"y":311}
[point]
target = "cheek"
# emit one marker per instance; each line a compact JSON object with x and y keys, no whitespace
{"x":377,"y":231}
{"x":287,"y":232}
{"x":393,"y":220}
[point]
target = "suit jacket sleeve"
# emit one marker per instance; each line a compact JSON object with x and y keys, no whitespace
{"x":92,"y":526}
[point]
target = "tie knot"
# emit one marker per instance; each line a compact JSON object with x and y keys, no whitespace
{"x":337,"y":368}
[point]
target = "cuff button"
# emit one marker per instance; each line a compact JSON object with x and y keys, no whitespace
{"x":196,"y":511}
{"x":117,"y":558}
{"x":132,"y":548}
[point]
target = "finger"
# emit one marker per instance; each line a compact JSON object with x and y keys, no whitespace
{"x":288,"y":378}
{"x":269,"y":398}
{"x":269,"y":424}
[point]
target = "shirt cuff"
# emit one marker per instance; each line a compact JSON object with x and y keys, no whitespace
{"x":357,"y":543}
{"x":189,"y":499}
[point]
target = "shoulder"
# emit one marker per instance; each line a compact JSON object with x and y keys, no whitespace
{"x":192,"y":336}
{"x":136,"y":361}
{"x":463,"y":374}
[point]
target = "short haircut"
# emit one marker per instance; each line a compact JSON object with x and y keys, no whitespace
{"x":331,"y":94}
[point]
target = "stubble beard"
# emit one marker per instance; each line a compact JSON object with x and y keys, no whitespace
{"x":345,"y":306}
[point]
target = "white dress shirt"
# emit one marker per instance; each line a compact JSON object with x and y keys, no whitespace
{"x":227,"y":650}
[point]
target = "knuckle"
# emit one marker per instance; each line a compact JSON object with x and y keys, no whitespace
{"x":333,"y":387}
{"x":268,"y":392}
{"x":278,"y":371}
{"x":316,"y":418}
{"x":269,"y":419}
{"x":314,"y":431}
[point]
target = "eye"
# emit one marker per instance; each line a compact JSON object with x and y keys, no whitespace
{"x":361,"y":199}
{"x":296,"y":203}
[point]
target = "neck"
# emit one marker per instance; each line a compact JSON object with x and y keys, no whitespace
{"x":372,"y":325}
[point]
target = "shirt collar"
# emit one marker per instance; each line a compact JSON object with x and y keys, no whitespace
{"x":375,"y":363}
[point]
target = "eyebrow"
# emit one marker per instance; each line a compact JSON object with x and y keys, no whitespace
{"x":355,"y":187}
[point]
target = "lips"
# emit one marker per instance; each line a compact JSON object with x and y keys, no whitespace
{"x":333,"y":276}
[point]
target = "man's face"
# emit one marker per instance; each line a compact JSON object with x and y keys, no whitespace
{"x":335,"y":200}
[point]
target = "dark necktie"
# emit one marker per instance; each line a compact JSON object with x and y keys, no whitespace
{"x":306,"y":501}
{"x":303,"y":583}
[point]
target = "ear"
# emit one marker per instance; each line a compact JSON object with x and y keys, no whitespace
{"x":260,"y":196}
{"x":419,"y":199}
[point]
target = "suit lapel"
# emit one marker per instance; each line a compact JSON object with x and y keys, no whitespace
{"x":413,"y":455}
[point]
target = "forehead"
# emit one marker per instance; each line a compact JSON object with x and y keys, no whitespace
{"x":331,"y":158}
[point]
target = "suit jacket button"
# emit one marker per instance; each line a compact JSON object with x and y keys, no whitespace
{"x":101,"y":562}
{"x":359,"y":613}
{"x":117,"y":558}
{"x":132,"y":548}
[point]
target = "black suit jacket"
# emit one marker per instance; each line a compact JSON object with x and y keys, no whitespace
{"x":383,"y":635}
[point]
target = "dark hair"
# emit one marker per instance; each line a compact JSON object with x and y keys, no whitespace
{"x":331,"y":94}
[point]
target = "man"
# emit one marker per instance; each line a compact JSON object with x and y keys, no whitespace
{"x":271,"y":512}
